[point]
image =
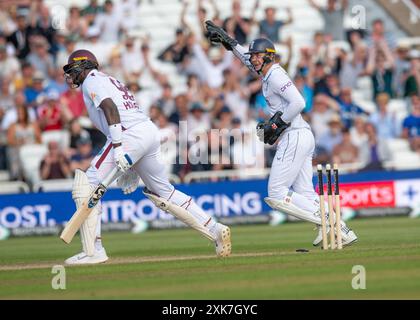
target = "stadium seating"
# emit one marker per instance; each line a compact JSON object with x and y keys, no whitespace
{"x":30,"y":157}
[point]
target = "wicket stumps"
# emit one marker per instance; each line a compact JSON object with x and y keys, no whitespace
{"x":335,"y":226}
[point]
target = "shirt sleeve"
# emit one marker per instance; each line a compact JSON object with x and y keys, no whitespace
{"x":95,"y":90}
{"x":283,"y":86}
{"x":239,"y":52}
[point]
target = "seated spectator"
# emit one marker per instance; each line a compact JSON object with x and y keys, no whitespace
{"x":35,"y":90}
{"x":402,"y":68}
{"x":166,"y":102}
{"x":385,"y":122}
{"x":197,"y":121}
{"x":270,"y":27}
{"x":333,"y":136}
{"x":375,"y":152}
{"x":72,"y":101}
{"x":9,"y":65}
{"x":55,"y":165}
{"x":109,"y":31}
{"x":348,"y":109}
{"x":411,"y":125}
{"x":358,"y":131}
{"x":23,"y":131}
{"x":51,"y":114}
{"x":324,"y":109}
{"x":306,"y":90}
{"x":132,"y":59}
{"x":77,"y":133}
{"x":236,"y":96}
{"x":6,"y":96}
{"x":11,"y":115}
{"x":40,"y":58}
{"x":83,"y":156}
{"x":345,"y":151}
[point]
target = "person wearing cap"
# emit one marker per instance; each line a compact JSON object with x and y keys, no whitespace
{"x":36,"y":89}
{"x":83,"y":156}
{"x":290,"y":187}
{"x":51,"y":114}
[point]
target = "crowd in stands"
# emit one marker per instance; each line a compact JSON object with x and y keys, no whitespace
{"x":220,"y":92}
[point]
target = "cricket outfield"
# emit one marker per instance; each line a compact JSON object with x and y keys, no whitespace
{"x":180,"y":264}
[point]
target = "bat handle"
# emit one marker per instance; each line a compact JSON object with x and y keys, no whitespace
{"x":114,"y":174}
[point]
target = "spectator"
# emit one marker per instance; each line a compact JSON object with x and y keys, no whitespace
{"x":51,"y":114}
{"x":166,"y":102}
{"x":40,"y":58}
{"x":345,"y":152}
{"x":333,"y":136}
{"x":270,"y":27}
{"x":333,"y":16}
{"x":177,"y":51}
{"x":77,"y":133}
{"x":62,"y":56}
{"x":109,"y":23}
{"x":55,"y":165}
{"x":358,"y":131}
{"x":236,"y":96}
{"x":25,"y":76}
{"x":6,"y":96}
{"x":385,"y":122}
{"x":306,"y":90}
{"x":375,"y":152}
{"x":83,"y":156}
{"x":197,"y":121}
{"x":72,"y":100}
{"x":348,"y":109}
{"x":132,"y":59}
{"x":238,"y":26}
{"x":381,"y":69}
{"x":41,"y":23}
{"x":76,"y":25}
{"x":411,"y":125}
{"x":11,"y":115}
{"x":412,"y":84}
{"x":324,"y":109}
{"x":353,"y":66}
{"x":181,"y":110}
{"x":36,"y":90}
{"x":378,"y":34}
{"x":90,"y":11}
{"x":9,"y":65}
{"x":213,"y":64}
{"x":57,"y":82}
{"x":402,"y":68}
{"x":23,"y":131}
{"x":20,"y":38}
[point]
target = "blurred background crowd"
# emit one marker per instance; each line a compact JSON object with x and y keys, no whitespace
{"x":361,"y":85}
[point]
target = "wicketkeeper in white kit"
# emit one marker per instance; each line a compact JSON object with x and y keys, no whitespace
{"x":133,"y":145}
{"x":290,"y":188}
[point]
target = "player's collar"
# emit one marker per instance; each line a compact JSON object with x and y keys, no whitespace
{"x":272,"y":68}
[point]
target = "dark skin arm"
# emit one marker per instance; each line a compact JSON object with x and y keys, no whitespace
{"x":111,"y":114}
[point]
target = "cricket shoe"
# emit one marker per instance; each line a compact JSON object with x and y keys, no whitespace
{"x":222,"y":243}
{"x":347,"y":235}
{"x":82,"y":258}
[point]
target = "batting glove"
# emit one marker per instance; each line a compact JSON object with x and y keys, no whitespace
{"x":129,"y":181}
{"x":122,"y":159}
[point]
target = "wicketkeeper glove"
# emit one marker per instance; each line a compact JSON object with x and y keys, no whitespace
{"x":216,"y":34}
{"x":269,"y":131}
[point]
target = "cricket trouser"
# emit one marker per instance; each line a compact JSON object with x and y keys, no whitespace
{"x":142,"y":143}
{"x":291,"y":170}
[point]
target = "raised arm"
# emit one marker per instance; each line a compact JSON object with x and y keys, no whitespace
{"x":216,"y":34}
{"x":290,"y":16}
{"x":314,"y":5}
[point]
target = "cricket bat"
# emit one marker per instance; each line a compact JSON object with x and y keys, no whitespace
{"x":86,"y":208}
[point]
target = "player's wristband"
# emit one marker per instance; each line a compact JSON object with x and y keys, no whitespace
{"x":115,"y":130}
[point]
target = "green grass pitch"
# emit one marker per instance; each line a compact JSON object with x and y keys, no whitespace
{"x":180,"y":264}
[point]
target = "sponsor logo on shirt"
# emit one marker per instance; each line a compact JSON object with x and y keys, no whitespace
{"x":286,"y":86}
